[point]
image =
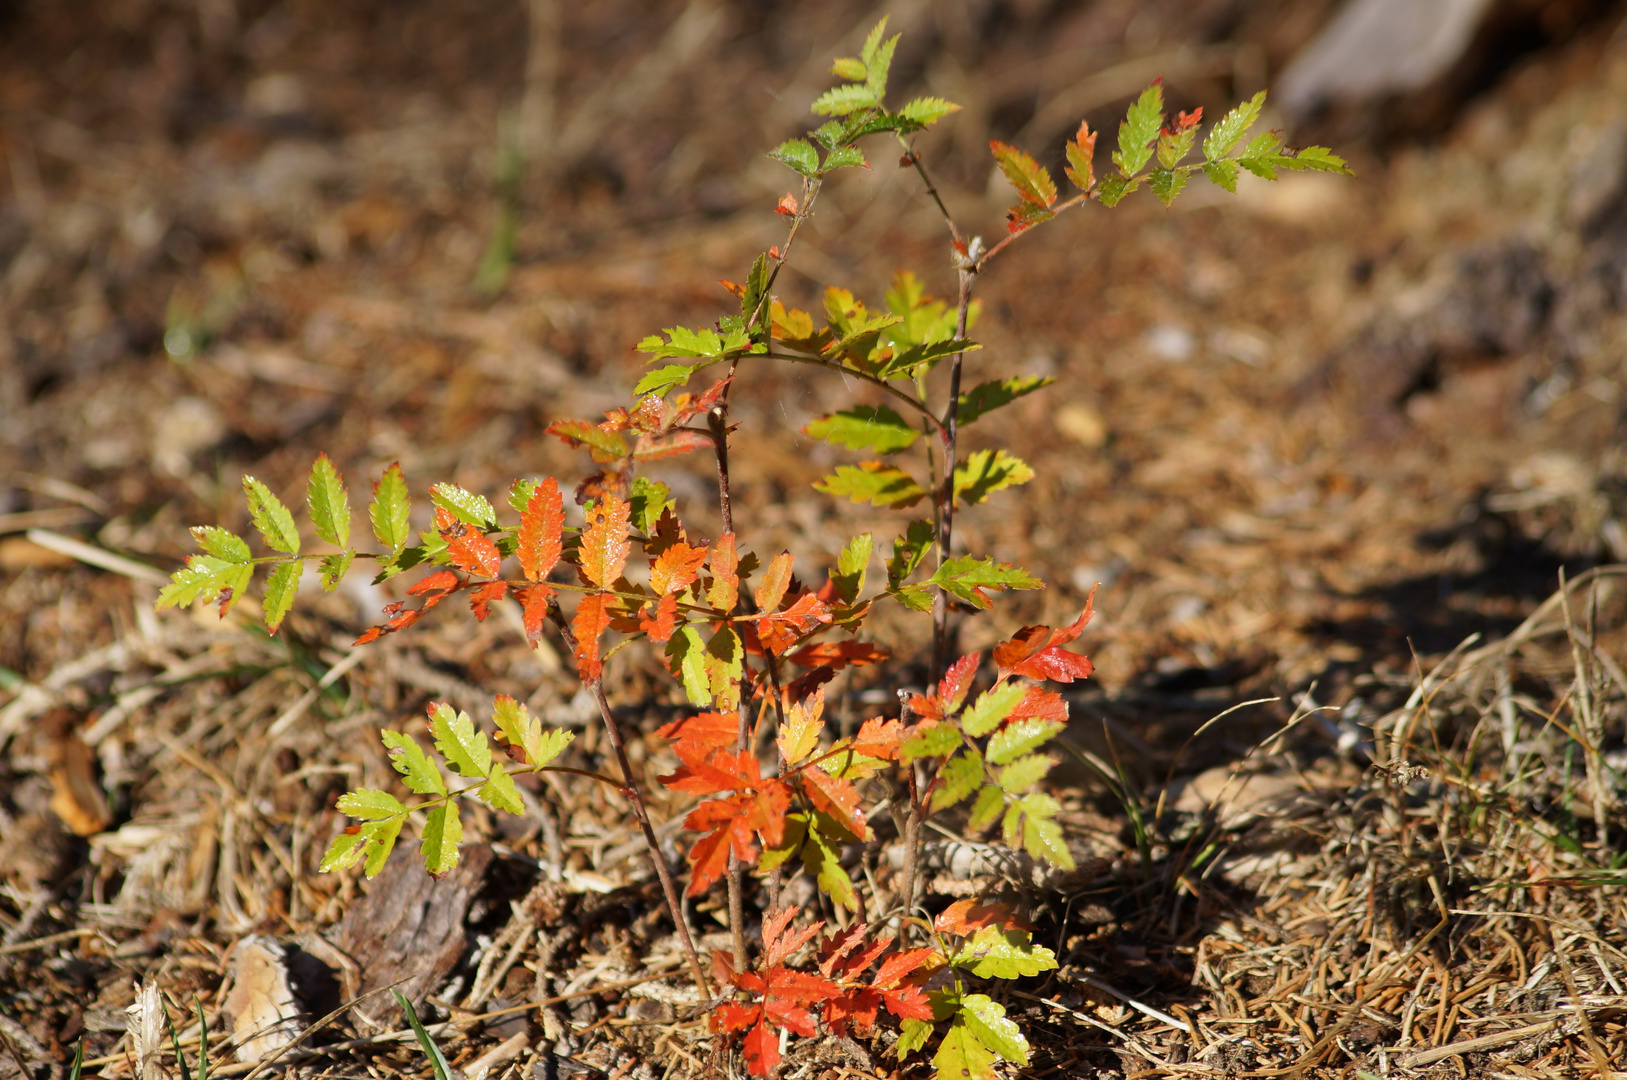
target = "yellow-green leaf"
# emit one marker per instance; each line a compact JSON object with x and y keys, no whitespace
{"x":329,"y":503}
{"x":271,"y":517}
{"x":391,"y":509}
{"x":281,"y":588}
{"x":465,"y":749}
{"x":371,"y":804}
{"x":443,"y":832}
{"x":409,"y":759}
{"x":500,"y":793}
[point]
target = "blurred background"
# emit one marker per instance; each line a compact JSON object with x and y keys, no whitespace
{"x":1296,"y":427}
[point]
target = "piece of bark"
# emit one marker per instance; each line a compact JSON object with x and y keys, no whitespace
{"x":408,"y":926}
{"x":265,"y":1015}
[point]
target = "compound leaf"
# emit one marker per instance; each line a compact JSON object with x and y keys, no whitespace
{"x":991,"y":709}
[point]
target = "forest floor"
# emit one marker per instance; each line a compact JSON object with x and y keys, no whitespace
{"x":1330,"y":446}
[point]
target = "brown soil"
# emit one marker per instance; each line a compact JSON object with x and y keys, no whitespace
{"x":1310,"y":439}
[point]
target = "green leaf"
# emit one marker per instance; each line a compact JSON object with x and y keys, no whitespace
{"x":1022,"y":737}
{"x":918,"y":359}
{"x":333,"y":569}
{"x":796,"y":832}
{"x":751,"y":299}
{"x":271,"y":517}
{"x":986,"y":1019}
{"x":926,"y":111}
{"x":281,"y":588}
{"x":646,"y":501}
{"x":799,"y":154}
{"x":443,"y":832}
{"x":822,"y":860}
{"x":525,"y":731}
{"x":1139,"y":130}
{"x":329,"y":503}
{"x":965,"y":577}
{"x":986,"y":397}
{"x":371,"y":804}
{"x":466,"y":506}
{"x":1173,"y":146}
{"x":519,"y":493}
{"x":988,"y":471}
{"x":1222,"y":173}
{"x":991,"y":708}
{"x":686,"y":659}
{"x":909,"y":550}
{"x":703,"y":344}
{"x":1031,"y":179}
{"x":912,"y":1035}
{"x":935,"y":741}
{"x":914,"y":597}
{"x":1316,"y":159}
{"x":662,"y":379}
{"x":390,"y":509}
{"x":990,"y":801}
{"x":1030,"y":824}
{"x":873,"y":482}
{"x":725,"y":657}
{"x":221,"y":544}
{"x":878,"y":58}
{"x":499,"y":792}
{"x":1112,"y":189}
{"x":962,"y":1055}
{"x":1232,"y":127}
{"x":849,"y":68}
{"x":344,"y":851}
{"x":1024,"y":773}
{"x":845,"y":100}
{"x":851,"y":566}
{"x":1167,"y":183}
{"x":959,"y":777}
{"x":206,"y":577}
{"x":466,"y":750}
{"x":381,"y":838}
{"x":1042,"y":838}
{"x":865,"y":427}
{"x":409,"y":759}
{"x":996,"y":953}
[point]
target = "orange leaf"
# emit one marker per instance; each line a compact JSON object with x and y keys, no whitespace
{"x":540,"y":530}
{"x":661,"y":627}
{"x":534,"y":602}
{"x":784,"y":629}
{"x":472,"y":551}
{"x":481,"y":599}
{"x":676,"y":567}
{"x":838,"y":654}
{"x":787,"y":205}
{"x":604,"y":540}
{"x":966,"y":917}
{"x":591,"y":620}
{"x":879,"y":738}
{"x":778,"y":943}
{"x":837,"y":797}
{"x":1035,"y":652}
{"x":725,"y":591}
{"x":697,"y":736}
{"x":771,"y":590}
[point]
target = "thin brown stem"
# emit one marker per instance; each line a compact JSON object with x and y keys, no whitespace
{"x":912,"y":157}
{"x":945,"y":497}
{"x":718,"y":421}
{"x":669,"y":888}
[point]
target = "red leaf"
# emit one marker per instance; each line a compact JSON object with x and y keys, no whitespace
{"x":952,"y":689}
{"x":441,"y":582}
{"x":908,"y":1003}
{"x":838,"y":654}
{"x":434,"y":588}
{"x":592,"y":619}
{"x":735,"y":822}
{"x":803,"y":687}
{"x":777,"y":943}
{"x":762,"y":1048}
{"x":656,"y":448}
{"x":837,"y":797}
{"x":698,"y":736}
{"x":472,"y":551}
{"x":787,"y":205}
{"x":604,"y":540}
{"x":1040,"y":704}
{"x":1187,"y":120}
{"x":736,"y":291}
{"x":966,"y":917}
{"x":879,"y":738}
{"x":665,"y":622}
{"x":900,"y":964}
{"x":841,"y":958}
{"x":540,"y":530}
{"x":1036,"y":652}
{"x":771,"y":590}
{"x":481,"y":599}
{"x":774,"y":251}
{"x":725,"y":590}
{"x":781,"y":630}
{"x":534,"y":602}
{"x":853,"y":1011}
{"x":733,"y":1016}
{"x":676,"y":567}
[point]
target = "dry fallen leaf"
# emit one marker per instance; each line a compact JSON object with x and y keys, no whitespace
{"x":265,"y":1015}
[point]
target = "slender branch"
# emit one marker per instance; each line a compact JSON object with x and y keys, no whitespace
{"x":865,"y":376}
{"x":946,"y":489}
{"x":636,"y":797}
{"x":912,"y":157}
{"x":1011,"y":238}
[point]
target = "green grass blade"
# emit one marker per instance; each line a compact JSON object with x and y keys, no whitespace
{"x":443,"y":1071}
